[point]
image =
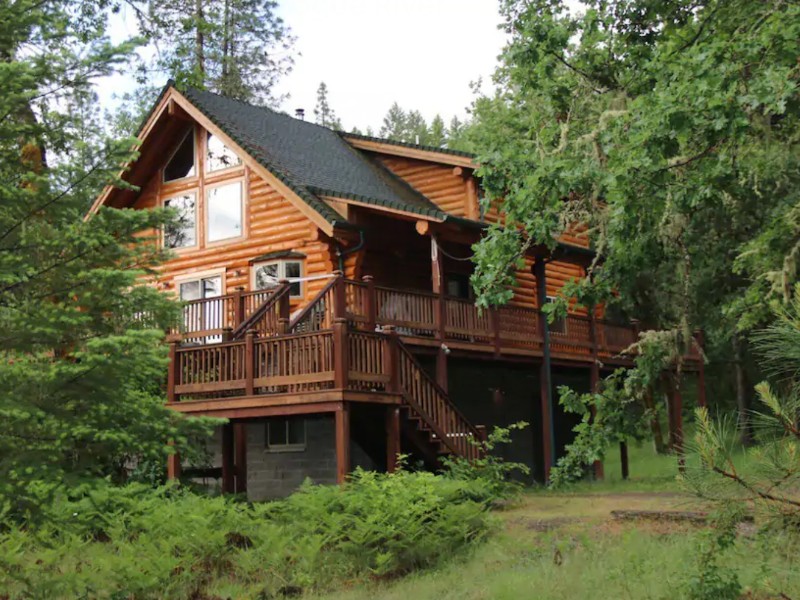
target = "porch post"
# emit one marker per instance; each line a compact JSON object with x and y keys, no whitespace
{"x":371,"y":307}
{"x":228,"y":467}
{"x":546,"y":392}
{"x":594,"y":375}
{"x":249,"y":362}
{"x":341,"y":366}
{"x":392,"y":437}
{"x":284,"y":311}
{"x":623,"y":459}
{"x":701,"y":369}
{"x":342,"y":442}
{"x":173,"y":464}
{"x":437,"y":271}
{"x":240,"y":456}
{"x":173,"y":376}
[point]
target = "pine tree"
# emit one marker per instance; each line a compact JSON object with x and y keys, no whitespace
{"x":238,"y":48}
{"x":437,"y":134}
{"x":81,"y":355}
{"x":323,"y":113}
{"x":416,"y":128}
{"x":395,"y":124}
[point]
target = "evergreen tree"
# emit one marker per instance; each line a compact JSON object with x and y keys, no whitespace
{"x":82,"y":358}
{"x":416,"y":128}
{"x":323,"y":113}
{"x":395,"y":124}
{"x":238,"y":48}
{"x":437,"y":134}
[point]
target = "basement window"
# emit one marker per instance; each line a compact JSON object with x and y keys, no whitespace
{"x":224,"y":211}
{"x":267,"y":274}
{"x":182,"y":233}
{"x":286,"y":434}
{"x":181,"y":163}
{"x":218,"y":156}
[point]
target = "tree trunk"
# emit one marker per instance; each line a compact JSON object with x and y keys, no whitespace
{"x":200,"y":53}
{"x":742,"y":400}
{"x":655,"y":423}
{"x":226,"y":36}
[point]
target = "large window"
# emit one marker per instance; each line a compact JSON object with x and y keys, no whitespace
{"x":218,"y":155}
{"x":267,"y":274}
{"x":181,"y":163}
{"x":286,"y":434}
{"x":224,"y":211}
{"x":182,"y":232}
{"x":203,"y":316}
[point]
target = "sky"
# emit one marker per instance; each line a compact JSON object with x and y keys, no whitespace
{"x":370,"y":53}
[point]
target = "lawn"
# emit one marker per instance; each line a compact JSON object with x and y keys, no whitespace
{"x":554,"y":545}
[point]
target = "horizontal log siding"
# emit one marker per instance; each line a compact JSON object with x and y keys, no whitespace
{"x":273,"y":224}
{"x":437,"y":182}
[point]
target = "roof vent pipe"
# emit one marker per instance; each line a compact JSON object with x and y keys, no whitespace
{"x":300,"y":113}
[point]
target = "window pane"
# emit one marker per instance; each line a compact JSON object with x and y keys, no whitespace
{"x":218,"y":155}
{"x":212,"y":287}
{"x":266,"y":276}
{"x":297,"y":431}
{"x":182,"y":162}
{"x":181,"y":233}
{"x":225,"y":212}
{"x":293,"y":269}
{"x":276,"y":432}
{"x":190,"y":290}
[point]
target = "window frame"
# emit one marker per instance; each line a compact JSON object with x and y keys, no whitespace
{"x":180,"y":194}
{"x":287,"y":447}
{"x":207,"y":188}
{"x":195,"y":156}
{"x":281,"y":262}
{"x":206,"y":168}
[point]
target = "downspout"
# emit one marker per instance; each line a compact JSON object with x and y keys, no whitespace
{"x":342,"y":253}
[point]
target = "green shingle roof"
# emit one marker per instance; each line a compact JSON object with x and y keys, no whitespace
{"x":312,"y":160}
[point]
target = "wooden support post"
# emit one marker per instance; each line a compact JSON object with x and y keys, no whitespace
{"x":173,"y":374}
{"x":341,"y":354}
{"x":391,"y":357}
{"x":623,"y":459}
{"x":339,"y":297}
{"x":228,"y":464}
{"x":240,"y":456}
{"x":173,"y":464}
{"x":284,"y":311}
{"x":546,"y":393}
{"x":371,"y":301}
{"x":249,"y":361}
{"x":238,"y":307}
{"x":437,"y":273}
{"x":701,"y":369}
{"x":392,"y":437}
{"x":227,"y":334}
{"x":494,"y":321}
{"x":594,"y":377}
{"x":342,"y":442}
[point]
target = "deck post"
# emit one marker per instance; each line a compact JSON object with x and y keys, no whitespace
{"x":284,"y":310}
{"x":342,"y":442}
{"x":173,"y":374}
{"x":341,"y":353}
{"x":371,"y":308}
{"x":249,"y":362}
{"x":391,"y":358}
{"x":339,"y":297}
{"x":238,"y":307}
{"x":494,"y":321}
{"x":437,"y":276}
{"x":546,"y":392}
{"x":228,"y":465}
{"x":594,"y":376}
{"x":240,"y":456}
{"x":623,"y":459}
{"x":392,"y":437}
{"x":173,"y":464}
{"x":701,"y":369}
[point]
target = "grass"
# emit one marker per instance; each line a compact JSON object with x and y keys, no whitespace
{"x":565,"y":545}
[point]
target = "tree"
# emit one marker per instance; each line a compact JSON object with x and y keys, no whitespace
{"x":437,"y":135}
{"x":323,"y":113}
{"x":395,"y":124}
{"x":671,"y":130}
{"x":81,"y":350}
{"x":237,"y":48}
{"x":416,"y":130}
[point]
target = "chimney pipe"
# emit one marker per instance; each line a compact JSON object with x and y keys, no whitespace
{"x":300,"y":113}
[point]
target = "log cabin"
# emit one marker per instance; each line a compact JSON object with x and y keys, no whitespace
{"x":327,"y":310}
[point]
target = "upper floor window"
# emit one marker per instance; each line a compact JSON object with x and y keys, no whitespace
{"x":218,"y":155}
{"x":181,"y":163}
{"x":182,"y":233}
{"x":267,"y":274}
{"x":224,"y":211}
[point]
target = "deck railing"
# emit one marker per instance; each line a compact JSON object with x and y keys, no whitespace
{"x":211,"y":317}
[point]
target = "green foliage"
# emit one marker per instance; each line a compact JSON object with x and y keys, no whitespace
{"x":138,"y":542}
{"x":489,"y":471}
{"x":713,"y":581}
{"x":323,"y":113}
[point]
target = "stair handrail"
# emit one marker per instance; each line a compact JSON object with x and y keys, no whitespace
{"x":266,"y":306}
{"x":311,"y":305}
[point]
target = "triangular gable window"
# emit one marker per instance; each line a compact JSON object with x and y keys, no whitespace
{"x":218,"y":155}
{"x":181,"y":164}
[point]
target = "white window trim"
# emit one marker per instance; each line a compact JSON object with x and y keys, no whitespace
{"x":281,"y":275}
{"x":190,"y":192}
{"x":242,"y":207}
{"x":193,"y":133}
{"x":189,"y":277}
{"x":206,"y":164}
{"x":277,"y":448}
